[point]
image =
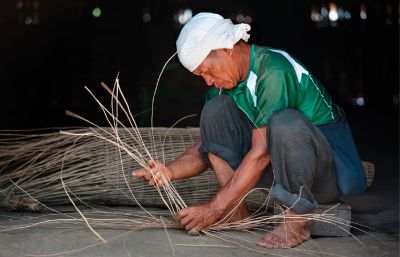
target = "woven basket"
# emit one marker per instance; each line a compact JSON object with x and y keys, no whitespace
{"x":94,"y":170}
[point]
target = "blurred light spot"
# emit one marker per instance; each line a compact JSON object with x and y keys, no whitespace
{"x":333,"y":12}
{"x":389,"y":14}
{"x":248,"y":19}
{"x":324,"y":12}
{"x":389,"y":10}
{"x":188,"y":14}
{"x":396,"y":99}
{"x":35,"y":4}
{"x":146,"y":15}
{"x":333,"y":15}
{"x":363,"y":15}
{"x":240,"y":18}
{"x":359,"y":101}
{"x":96,"y":12}
{"x":183,"y":16}
{"x":19,"y":4}
{"x":316,"y":15}
{"x":347,"y":15}
{"x":363,"y":12}
{"x":28,"y":21}
{"x":341,"y":13}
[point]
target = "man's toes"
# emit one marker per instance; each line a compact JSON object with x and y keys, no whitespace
{"x":291,"y":243}
{"x":285,"y":245}
{"x":273,"y":242}
{"x":280,"y":243}
{"x":263,"y":243}
{"x":266,"y":243}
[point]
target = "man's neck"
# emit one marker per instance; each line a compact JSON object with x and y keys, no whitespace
{"x":243,"y":52}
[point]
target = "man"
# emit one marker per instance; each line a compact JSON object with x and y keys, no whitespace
{"x":265,"y":113}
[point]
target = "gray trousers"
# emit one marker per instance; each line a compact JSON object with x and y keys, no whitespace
{"x":302,"y":159}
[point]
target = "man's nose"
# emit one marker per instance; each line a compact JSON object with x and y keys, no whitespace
{"x":209,"y":81}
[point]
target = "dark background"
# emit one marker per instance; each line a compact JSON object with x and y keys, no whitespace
{"x":50,"y":49}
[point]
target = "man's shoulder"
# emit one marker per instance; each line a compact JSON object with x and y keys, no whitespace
{"x":269,"y":60}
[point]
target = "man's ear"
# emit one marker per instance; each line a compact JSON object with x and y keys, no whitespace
{"x":228,"y":51}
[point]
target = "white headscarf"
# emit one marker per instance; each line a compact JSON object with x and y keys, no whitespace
{"x":206,"y":32}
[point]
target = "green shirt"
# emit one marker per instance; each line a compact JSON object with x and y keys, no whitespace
{"x":276,"y":81}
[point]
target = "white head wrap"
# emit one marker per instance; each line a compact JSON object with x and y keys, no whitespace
{"x":206,"y":32}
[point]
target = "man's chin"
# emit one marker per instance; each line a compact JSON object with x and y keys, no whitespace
{"x":229,"y":86}
{"x":224,"y":86}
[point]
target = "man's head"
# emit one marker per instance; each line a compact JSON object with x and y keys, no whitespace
{"x":221,"y":68}
{"x":205,"y":47}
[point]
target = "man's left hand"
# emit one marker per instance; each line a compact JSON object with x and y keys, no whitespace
{"x":198,"y":217}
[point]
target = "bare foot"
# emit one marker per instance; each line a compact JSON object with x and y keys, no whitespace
{"x":292,"y":232}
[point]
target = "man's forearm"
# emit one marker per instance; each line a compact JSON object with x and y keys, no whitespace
{"x":247,"y":175}
{"x":244,"y":179}
{"x":189,"y":164}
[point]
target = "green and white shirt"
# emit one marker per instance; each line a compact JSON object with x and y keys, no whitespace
{"x":277,"y":81}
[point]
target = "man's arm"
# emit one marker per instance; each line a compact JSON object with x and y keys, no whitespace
{"x":244,"y":179}
{"x":247,"y":174}
{"x":189,"y":164}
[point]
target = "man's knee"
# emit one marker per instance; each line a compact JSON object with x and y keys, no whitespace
{"x":216,"y":107}
{"x":212,"y":157}
{"x":286,"y":124}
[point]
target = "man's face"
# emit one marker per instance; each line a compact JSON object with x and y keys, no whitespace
{"x":219,"y":69}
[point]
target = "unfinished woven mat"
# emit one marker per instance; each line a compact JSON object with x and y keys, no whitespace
{"x":93,"y":169}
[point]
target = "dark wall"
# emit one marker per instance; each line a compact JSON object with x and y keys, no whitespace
{"x":44,"y":66}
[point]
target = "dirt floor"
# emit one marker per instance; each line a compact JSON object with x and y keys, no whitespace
{"x":377,"y":208}
{"x":77,"y":240}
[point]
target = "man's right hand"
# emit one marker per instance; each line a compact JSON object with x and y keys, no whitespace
{"x":154,"y":174}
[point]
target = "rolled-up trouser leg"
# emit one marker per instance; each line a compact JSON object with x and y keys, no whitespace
{"x":302,"y":161}
{"x":225,"y":131}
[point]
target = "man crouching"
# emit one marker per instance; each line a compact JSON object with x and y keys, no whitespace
{"x":264,"y":112}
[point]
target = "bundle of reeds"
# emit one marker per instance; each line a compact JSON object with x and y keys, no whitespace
{"x":92,"y":168}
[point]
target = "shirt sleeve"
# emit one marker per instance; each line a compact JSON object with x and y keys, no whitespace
{"x":275,"y":91}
